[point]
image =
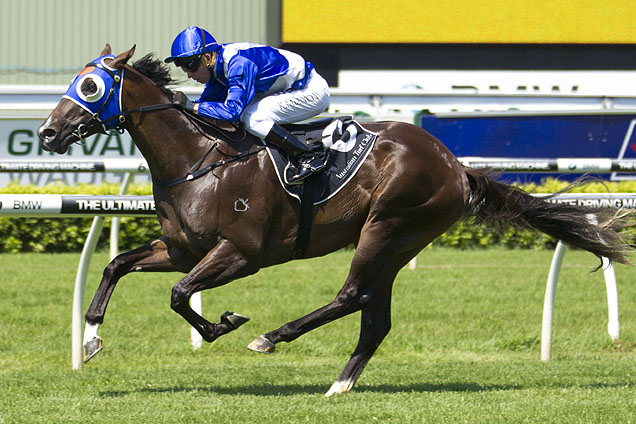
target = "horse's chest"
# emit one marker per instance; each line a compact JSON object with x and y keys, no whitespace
{"x":189,"y":229}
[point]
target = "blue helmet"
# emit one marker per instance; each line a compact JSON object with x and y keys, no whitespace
{"x":190,"y":42}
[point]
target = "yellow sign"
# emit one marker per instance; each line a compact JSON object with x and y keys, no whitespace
{"x":459,"y":21}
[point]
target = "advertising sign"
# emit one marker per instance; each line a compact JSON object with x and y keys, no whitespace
{"x":546,"y":135}
{"x":459,"y":21}
{"x":19,"y":141}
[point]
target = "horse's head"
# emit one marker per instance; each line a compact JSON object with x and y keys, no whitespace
{"x":91,"y":104}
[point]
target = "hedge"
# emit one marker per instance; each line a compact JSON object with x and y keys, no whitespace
{"x":69,"y":234}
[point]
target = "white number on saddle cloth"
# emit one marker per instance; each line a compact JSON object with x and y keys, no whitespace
{"x":334,"y":138}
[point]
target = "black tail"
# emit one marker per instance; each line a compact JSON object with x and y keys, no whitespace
{"x":501,"y":204}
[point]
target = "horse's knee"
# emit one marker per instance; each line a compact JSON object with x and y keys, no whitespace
{"x":179,"y":298}
{"x":352,"y":301}
{"x":115,"y":269}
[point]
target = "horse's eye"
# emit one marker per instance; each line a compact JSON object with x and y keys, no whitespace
{"x":89,"y":88}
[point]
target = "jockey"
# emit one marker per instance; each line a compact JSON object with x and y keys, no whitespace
{"x":259,"y":85}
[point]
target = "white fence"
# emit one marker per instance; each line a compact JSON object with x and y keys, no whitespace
{"x":605,"y":200}
{"x":599,"y":200}
{"x":100,"y":207}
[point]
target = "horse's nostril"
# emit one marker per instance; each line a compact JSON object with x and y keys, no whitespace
{"x":46,"y":133}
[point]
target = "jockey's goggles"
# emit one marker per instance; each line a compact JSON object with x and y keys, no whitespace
{"x":189,"y":64}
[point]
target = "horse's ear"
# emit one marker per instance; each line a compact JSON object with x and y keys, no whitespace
{"x":107,"y":50}
{"x":121,"y":60}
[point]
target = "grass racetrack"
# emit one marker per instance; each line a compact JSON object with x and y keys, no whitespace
{"x":464,"y":347}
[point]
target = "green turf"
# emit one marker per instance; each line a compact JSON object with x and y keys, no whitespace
{"x":464,"y":347}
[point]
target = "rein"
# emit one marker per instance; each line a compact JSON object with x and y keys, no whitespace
{"x":196,"y":171}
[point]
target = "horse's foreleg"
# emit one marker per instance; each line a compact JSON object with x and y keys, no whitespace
{"x":221,"y":265}
{"x":152,"y":256}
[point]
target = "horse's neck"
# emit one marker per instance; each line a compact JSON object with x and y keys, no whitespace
{"x":168,"y":141}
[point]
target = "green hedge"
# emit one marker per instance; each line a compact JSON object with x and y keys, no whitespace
{"x":69,"y":234}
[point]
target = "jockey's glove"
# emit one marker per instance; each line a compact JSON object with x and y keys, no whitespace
{"x":182,"y":101}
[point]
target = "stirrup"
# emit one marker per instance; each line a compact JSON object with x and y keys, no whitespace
{"x":307,"y":168}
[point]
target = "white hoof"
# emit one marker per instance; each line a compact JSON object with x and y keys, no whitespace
{"x":339,"y":387}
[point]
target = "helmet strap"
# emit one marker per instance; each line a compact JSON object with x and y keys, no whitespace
{"x":204,"y":60}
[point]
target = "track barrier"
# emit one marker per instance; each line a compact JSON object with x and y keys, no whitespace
{"x":619,"y":200}
{"x":100,"y":207}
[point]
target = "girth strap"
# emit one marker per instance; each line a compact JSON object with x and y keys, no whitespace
{"x":305,"y":218}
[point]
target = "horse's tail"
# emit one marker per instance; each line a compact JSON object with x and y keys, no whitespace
{"x":593,"y":229}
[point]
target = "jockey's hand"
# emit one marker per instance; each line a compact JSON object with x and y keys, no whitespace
{"x":182,"y":101}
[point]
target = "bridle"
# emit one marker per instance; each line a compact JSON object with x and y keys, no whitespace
{"x":95,"y":124}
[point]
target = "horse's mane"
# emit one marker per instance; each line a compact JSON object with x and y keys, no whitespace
{"x":157,"y":71}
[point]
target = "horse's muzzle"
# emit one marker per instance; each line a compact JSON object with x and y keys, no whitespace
{"x":47,"y":137}
{"x":50,"y":140}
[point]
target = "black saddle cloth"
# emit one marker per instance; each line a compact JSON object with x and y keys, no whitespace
{"x":341,"y":142}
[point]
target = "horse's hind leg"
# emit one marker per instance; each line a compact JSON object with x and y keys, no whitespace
{"x":375,"y":324}
{"x":152,"y":256}
{"x":378,"y":259}
{"x":373,"y":297}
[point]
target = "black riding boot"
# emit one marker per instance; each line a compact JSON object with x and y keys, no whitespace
{"x":307,"y":163}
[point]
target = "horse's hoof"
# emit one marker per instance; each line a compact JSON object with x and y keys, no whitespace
{"x":339,"y":387}
{"x":92,"y":347}
{"x":262,"y":345}
{"x":235,"y":320}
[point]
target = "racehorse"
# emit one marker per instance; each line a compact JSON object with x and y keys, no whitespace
{"x":409,"y":190}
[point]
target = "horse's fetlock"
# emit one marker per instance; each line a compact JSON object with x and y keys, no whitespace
{"x":93,"y":319}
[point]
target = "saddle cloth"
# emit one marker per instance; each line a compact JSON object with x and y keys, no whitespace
{"x":341,"y":142}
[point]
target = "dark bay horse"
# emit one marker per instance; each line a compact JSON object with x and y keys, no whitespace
{"x":409,"y":190}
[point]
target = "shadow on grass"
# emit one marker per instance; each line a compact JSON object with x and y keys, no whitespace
{"x":296,"y":389}
{"x":446,"y":387}
{"x":319,"y":389}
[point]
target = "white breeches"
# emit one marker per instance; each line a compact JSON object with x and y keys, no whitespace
{"x":288,"y":106}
